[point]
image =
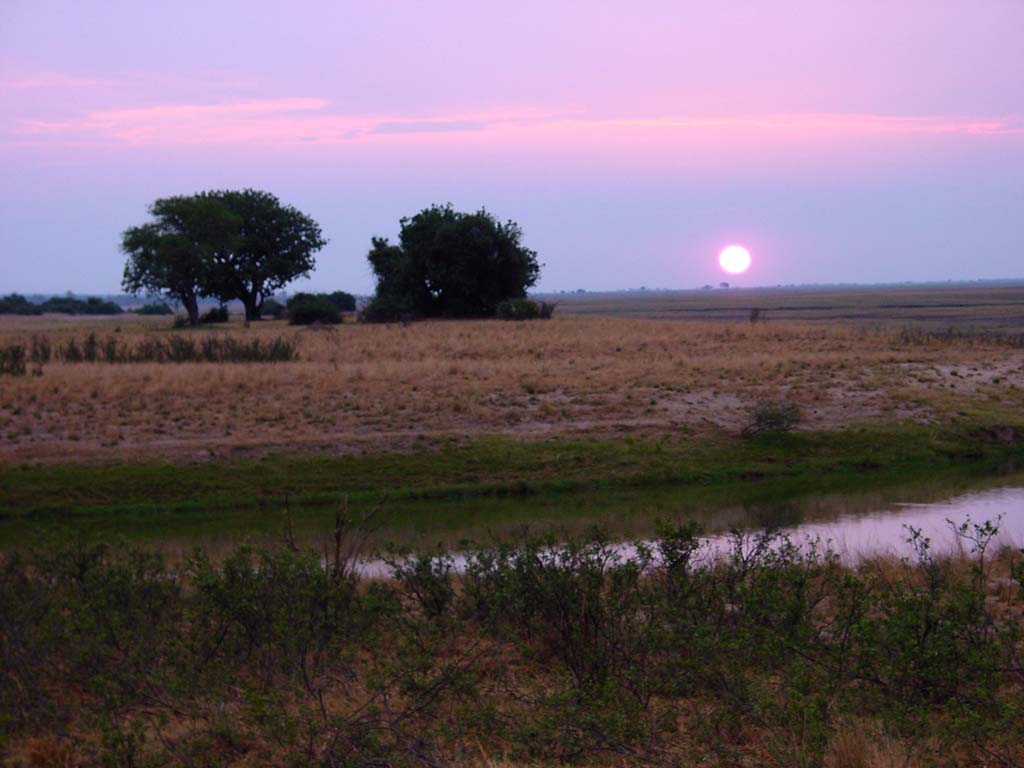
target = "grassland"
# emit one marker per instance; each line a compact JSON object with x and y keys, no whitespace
{"x":472,"y":426}
{"x":361,"y":388}
{"x":156,"y":653}
{"x":991,"y":306}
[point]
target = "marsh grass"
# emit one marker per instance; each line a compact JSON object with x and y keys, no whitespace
{"x":166,"y":349}
{"x":12,"y":360}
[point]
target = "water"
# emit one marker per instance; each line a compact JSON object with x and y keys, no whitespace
{"x":850,"y":530}
{"x":884,"y":531}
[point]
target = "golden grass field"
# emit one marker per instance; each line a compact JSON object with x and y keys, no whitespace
{"x":373,"y":387}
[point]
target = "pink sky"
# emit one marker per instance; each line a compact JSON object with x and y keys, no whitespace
{"x":859,"y":141}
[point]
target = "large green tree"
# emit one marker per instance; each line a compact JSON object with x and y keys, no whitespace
{"x":229,"y":244}
{"x":173,"y":255}
{"x":273,"y":246}
{"x":450,"y":264}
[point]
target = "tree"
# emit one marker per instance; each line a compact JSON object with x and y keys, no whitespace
{"x":274,"y":245}
{"x":450,"y":264}
{"x":229,"y":244}
{"x":173,"y":255}
{"x":16,"y":304}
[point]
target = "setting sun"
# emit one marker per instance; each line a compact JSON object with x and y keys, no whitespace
{"x":734,"y":259}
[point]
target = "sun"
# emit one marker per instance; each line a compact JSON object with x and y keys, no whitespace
{"x":734,"y":259}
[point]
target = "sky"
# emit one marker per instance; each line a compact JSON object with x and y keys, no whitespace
{"x":865,"y":141}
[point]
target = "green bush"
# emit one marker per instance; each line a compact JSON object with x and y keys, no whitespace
{"x":550,"y":652}
{"x":524,"y":309}
{"x":772,"y":416}
{"x":309,"y":308}
{"x":272,"y":308}
{"x":158,"y":308}
{"x":345,"y":302}
{"x":517,"y":309}
{"x":12,"y":360}
{"x":387,"y":309}
{"x":214,"y":315}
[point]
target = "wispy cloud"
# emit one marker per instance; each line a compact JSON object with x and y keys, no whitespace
{"x":849,"y":123}
{"x":53,"y":80}
{"x":306,"y":121}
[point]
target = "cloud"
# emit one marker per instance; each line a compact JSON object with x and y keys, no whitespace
{"x":54,"y":80}
{"x":429,"y":126}
{"x":305,"y":121}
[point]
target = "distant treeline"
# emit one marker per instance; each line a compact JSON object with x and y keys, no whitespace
{"x":16,"y":304}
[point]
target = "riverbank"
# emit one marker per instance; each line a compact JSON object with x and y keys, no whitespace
{"x":455,"y":490}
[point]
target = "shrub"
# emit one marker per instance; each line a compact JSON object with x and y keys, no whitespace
{"x":387,"y":309}
{"x":272,"y":308}
{"x":554,"y":652}
{"x":309,"y":308}
{"x":345,"y":302}
{"x":517,"y":309}
{"x":40,"y":350}
{"x":214,"y":315}
{"x":524,"y":309}
{"x":12,"y":360}
{"x":154,"y":309}
{"x":772,"y":416}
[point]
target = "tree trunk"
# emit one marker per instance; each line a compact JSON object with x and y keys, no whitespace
{"x":252,"y":308}
{"x":191,"y":305}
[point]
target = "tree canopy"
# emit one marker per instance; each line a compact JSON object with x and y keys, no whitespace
{"x":228,"y":244}
{"x":174,"y":255}
{"x":274,"y":245}
{"x":450,"y":264}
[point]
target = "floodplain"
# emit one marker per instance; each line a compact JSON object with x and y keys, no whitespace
{"x":183,"y":514}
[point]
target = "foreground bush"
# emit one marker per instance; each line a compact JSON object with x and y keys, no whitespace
{"x":667,"y":653}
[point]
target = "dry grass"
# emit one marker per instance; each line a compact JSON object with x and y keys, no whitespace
{"x":980,"y":306}
{"x":365,"y":387}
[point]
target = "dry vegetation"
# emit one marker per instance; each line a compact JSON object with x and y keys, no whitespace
{"x":982,"y":306}
{"x":364,"y":387}
{"x":766,"y":655}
